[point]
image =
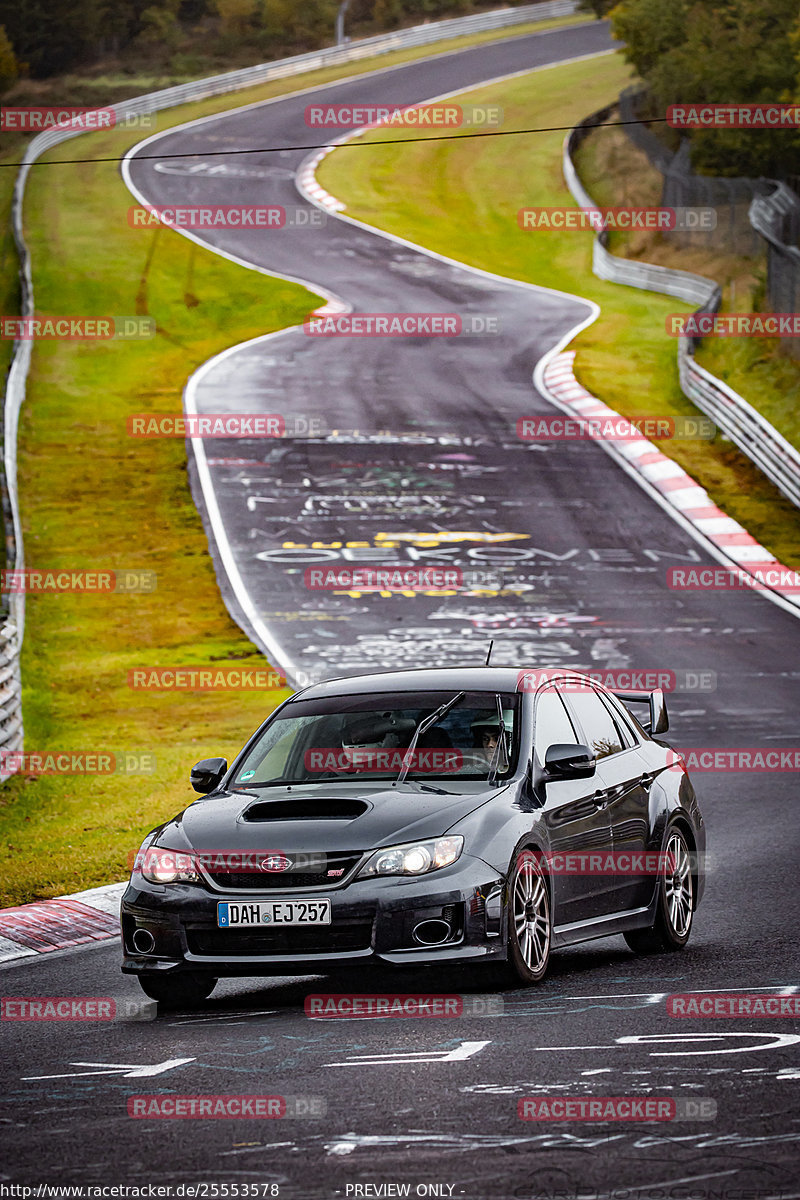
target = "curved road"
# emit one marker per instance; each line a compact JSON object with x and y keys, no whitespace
{"x":587,"y":577}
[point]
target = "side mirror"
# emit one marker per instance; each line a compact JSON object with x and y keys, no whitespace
{"x":659,"y":718}
{"x":569,"y":762}
{"x":206,"y":775}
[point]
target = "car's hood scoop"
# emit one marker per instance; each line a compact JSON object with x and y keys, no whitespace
{"x":307,"y":808}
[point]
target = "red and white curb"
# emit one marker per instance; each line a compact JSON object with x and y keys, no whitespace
{"x":677,"y":489}
{"x":61,"y":923}
{"x":306,"y":183}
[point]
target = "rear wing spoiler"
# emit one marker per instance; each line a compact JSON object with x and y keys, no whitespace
{"x":658,"y":721}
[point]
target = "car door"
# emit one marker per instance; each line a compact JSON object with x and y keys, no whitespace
{"x":622,"y":776}
{"x":575,"y":818}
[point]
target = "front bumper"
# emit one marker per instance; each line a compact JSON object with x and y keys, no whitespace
{"x":372,"y":921}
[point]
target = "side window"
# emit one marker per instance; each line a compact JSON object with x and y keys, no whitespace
{"x":551,"y":724}
{"x":599,"y":729}
{"x":623,"y":726}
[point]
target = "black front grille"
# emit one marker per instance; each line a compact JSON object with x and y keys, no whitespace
{"x":298,"y":939}
{"x":258,"y":881}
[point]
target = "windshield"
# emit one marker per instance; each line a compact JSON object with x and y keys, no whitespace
{"x":367,"y":737}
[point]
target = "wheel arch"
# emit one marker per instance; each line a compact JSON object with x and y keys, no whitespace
{"x":680,"y":821}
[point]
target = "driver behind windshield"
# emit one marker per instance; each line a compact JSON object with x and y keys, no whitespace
{"x":485,"y":735}
{"x":379,"y":743}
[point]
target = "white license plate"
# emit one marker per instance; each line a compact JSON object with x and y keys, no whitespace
{"x":246,"y":913}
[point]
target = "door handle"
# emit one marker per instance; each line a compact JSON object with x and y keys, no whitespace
{"x":646,"y":780}
{"x":599,"y":799}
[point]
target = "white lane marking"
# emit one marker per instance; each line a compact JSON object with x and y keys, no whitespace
{"x":465,"y":1050}
{"x":775,"y":1042}
{"x":126,"y":1070}
{"x":228,"y":1018}
{"x":574,"y":1047}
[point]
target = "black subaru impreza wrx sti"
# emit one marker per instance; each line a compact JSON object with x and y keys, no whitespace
{"x":463,"y":815}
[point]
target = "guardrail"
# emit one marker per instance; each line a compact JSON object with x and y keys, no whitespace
{"x":747,"y":429}
{"x":777,"y":218}
{"x":11,"y":632}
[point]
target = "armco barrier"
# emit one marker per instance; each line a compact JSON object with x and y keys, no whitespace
{"x":747,"y":429}
{"x":11,"y":632}
{"x":777,"y":218}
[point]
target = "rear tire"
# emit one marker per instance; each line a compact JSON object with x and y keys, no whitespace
{"x":178,"y":991}
{"x":674,"y":907}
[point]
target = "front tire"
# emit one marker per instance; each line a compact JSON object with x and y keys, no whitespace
{"x":530,"y":926}
{"x":675,"y":905}
{"x":178,"y":991}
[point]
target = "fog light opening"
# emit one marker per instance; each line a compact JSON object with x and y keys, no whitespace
{"x":143,"y":941}
{"x":431,"y":933}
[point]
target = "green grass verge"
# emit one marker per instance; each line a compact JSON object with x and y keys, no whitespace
{"x":93,"y":498}
{"x":462,"y":199}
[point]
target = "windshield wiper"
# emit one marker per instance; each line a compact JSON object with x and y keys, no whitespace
{"x":422,"y":728}
{"x":494,"y":765}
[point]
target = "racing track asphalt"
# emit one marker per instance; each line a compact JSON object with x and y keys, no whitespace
{"x":594,"y":549}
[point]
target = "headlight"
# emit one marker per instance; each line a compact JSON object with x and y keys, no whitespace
{"x":167,"y":866}
{"x":416,"y":858}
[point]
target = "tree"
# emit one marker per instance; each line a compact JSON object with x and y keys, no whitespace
{"x":718,"y":52}
{"x":53,"y":40}
{"x":9,"y":67}
{"x":600,"y":8}
{"x":237,"y":15}
{"x":159,"y":27}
